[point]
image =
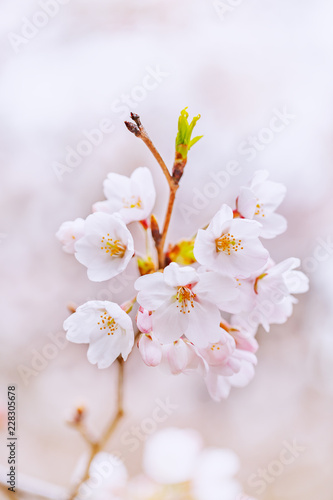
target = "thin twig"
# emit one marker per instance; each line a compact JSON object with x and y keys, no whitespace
{"x":97,"y":446}
{"x":160,"y":246}
{"x":139,"y":131}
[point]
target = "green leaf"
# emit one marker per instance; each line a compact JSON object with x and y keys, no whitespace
{"x":195,"y":140}
{"x":185,"y":129}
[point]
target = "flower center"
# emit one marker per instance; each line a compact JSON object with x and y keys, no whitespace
{"x":178,"y":491}
{"x":259,"y":210}
{"x":107,"y":323}
{"x":132,"y":202}
{"x":113,"y":247}
{"x":185,"y":298}
{"x":227,"y":242}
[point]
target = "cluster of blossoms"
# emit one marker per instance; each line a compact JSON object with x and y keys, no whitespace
{"x":176,"y":466}
{"x":198,"y":311}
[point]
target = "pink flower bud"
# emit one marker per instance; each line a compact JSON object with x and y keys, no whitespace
{"x":144,"y":321}
{"x":150,"y":350}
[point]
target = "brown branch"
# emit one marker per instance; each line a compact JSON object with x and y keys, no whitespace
{"x":160,"y":246}
{"x":139,"y":131}
{"x":97,"y":446}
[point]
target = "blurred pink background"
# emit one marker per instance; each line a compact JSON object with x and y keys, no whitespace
{"x":238,"y":70}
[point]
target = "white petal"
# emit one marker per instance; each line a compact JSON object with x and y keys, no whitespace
{"x":217,"y":463}
{"x":270,"y":194}
{"x":297,"y":282}
{"x":101,"y":265}
{"x":272,"y":226}
{"x":203,"y":324}
{"x":218,"y":386}
{"x":220,"y":221}
{"x":204,"y":247}
{"x":175,"y":275}
{"x":246,"y":203}
{"x":83,"y":327}
{"x":107,"y":206}
{"x":116,"y":188}
{"x":244,"y":228}
{"x":251,"y":260}
{"x":69,"y":233}
{"x":284,"y":266}
{"x":169,"y":323}
{"x":153,"y":291}
{"x":142,"y":181}
{"x":216,"y":288}
{"x":170,"y":455}
{"x":104,"y":350}
{"x":245,"y":374}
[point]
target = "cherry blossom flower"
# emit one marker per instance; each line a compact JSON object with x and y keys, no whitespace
{"x":259,"y":202}
{"x":181,"y":357}
{"x":178,"y":356}
{"x":106,"y":248}
{"x":229,"y":362}
{"x":170,"y":455}
{"x":132,"y":197}
{"x":219,"y":384}
{"x":185,"y":302}
{"x":69,"y":233}
{"x":243,"y":333}
{"x":231,"y":246}
{"x":107,"y":329}
{"x":273,"y":291}
{"x":176,"y":458}
{"x":214,"y":473}
{"x":108,"y":478}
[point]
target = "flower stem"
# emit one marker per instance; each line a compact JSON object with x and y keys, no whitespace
{"x":139,"y":131}
{"x":160,"y":246}
{"x":97,"y":446}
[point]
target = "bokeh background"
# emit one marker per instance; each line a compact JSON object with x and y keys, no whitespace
{"x":58,"y":83}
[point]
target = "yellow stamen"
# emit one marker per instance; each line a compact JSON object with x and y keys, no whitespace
{"x":185,"y":298}
{"x":227,"y":242}
{"x":115,"y":248}
{"x":132,"y":202}
{"x":259,"y":210}
{"x":108,"y":323}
